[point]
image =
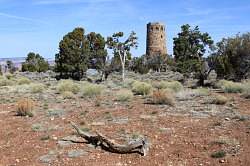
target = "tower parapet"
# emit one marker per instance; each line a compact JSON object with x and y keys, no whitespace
{"x":156,"y":39}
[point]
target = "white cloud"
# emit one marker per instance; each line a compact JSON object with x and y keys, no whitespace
{"x":21,"y":18}
{"x":61,"y":2}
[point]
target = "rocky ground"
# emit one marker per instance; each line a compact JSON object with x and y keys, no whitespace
{"x":192,"y":132}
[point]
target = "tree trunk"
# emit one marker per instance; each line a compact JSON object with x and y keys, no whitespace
{"x":123,"y":61}
{"x":140,"y":146}
{"x":123,"y":72}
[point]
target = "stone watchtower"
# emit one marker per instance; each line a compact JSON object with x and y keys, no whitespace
{"x":156,"y":39}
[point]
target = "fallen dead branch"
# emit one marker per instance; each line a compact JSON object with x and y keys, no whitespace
{"x":140,"y":146}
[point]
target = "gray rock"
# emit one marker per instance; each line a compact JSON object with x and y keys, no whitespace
{"x":62,"y":143}
{"x":76,"y":153}
{"x":166,"y":130}
{"x":48,"y":158}
{"x":55,"y":112}
{"x":120,"y":120}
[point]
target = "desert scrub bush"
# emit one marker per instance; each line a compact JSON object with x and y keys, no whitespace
{"x":163,"y":96}
{"x":246,"y":91}
{"x":23,"y":80}
{"x":201,"y":92}
{"x":218,"y":154}
{"x":230,"y":87}
{"x":9,"y":76}
{"x":174,"y":85}
{"x":246,"y":94}
{"x":124,"y":95}
{"x":91,"y":90}
{"x":68,"y":95}
{"x":220,"y":100}
{"x":25,"y":107}
{"x":141,"y":88}
{"x":68,"y":85}
{"x":6,"y":82}
{"x":128,"y":83}
{"x":37,"y":88}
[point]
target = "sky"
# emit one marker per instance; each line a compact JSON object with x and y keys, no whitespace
{"x":39,"y":25}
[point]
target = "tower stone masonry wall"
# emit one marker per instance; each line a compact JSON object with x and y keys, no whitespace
{"x":156,"y":39}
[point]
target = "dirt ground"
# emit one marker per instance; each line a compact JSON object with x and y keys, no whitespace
{"x":184,"y":134}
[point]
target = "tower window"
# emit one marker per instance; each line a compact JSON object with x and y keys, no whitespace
{"x":162,"y":28}
{"x":157,"y":28}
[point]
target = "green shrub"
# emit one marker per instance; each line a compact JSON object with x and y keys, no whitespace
{"x":128,"y":83}
{"x":6,"y":82}
{"x":246,"y":93}
{"x":37,"y":88}
{"x":219,"y":154}
{"x":219,"y":99}
{"x":163,"y":97}
{"x":68,"y":95}
{"x":141,"y":88}
{"x":174,"y":85}
{"x":68,"y":85}
{"x":91,"y":90}
{"x":201,"y":92}
{"x":124,"y":95}
{"x":230,"y":87}
{"x":23,"y":80}
{"x":9,"y":76}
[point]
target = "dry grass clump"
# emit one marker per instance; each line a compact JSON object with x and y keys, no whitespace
{"x":124,"y":95}
{"x":9,"y":76}
{"x":246,"y":93}
{"x":6,"y":82}
{"x":128,"y":82}
{"x":91,"y":90}
{"x":230,"y":87}
{"x":68,"y":85}
{"x":68,"y":95}
{"x":37,"y":88}
{"x":174,"y":85}
{"x":163,"y":97}
{"x":201,"y":92}
{"x":220,"y":100}
{"x":190,"y":94}
{"x":141,"y":88}
{"x":23,"y":80}
{"x":25,"y":107}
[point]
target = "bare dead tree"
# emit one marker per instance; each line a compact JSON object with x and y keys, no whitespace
{"x":140,"y":146}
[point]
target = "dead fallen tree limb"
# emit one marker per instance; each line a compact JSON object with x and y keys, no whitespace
{"x":140,"y":146}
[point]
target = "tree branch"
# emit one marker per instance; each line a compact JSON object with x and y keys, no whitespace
{"x":140,"y":146}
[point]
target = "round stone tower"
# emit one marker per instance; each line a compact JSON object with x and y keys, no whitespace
{"x":156,"y":39}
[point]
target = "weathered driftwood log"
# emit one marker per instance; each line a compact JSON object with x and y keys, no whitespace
{"x":140,"y":146}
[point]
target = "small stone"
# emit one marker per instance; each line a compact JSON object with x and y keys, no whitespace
{"x":54,"y":138}
{"x":76,"y":153}
{"x":17,"y":160}
{"x":47,"y":158}
{"x":98,"y":124}
{"x":227,"y":119}
{"x":64,"y":143}
{"x":222,"y":161}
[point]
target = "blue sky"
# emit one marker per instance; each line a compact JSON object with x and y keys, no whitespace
{"x":39,"y":25}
